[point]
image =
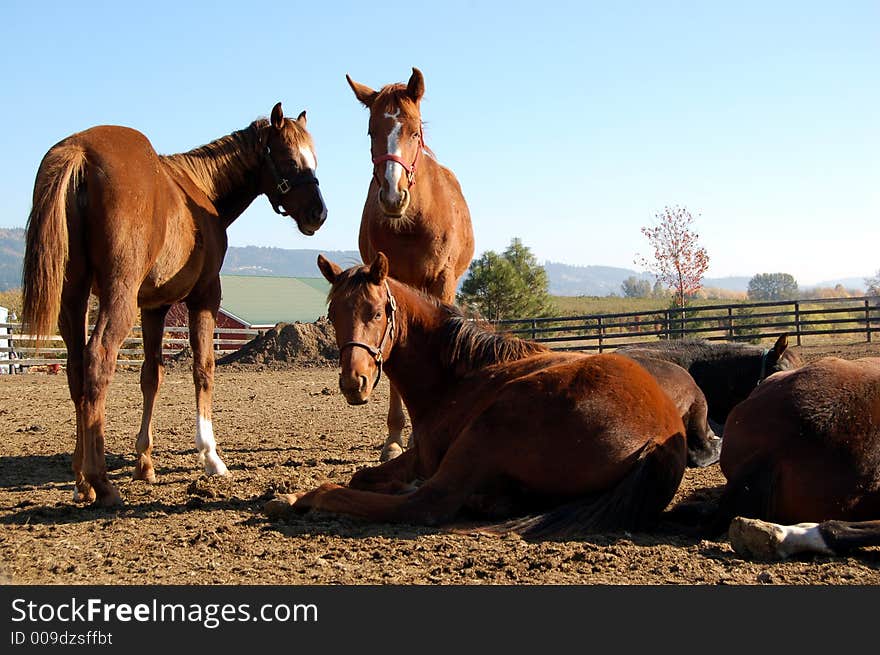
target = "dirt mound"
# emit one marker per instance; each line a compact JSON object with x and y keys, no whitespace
{"x":298,"y":344}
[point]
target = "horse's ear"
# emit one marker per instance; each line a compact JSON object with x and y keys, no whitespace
{"x":329,"y":269}
{"x":415,"y":88}
{"x":379,"y":268}
{"x":362,"y":92}
{"x":301,"y":119}
{"x":277,"y":116}
{"x":780,"y":346}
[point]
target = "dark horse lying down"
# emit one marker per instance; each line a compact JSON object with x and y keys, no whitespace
{"x":805,"y":447}
{"x":726,"y":372}
{"x":704,"y":448}
{"x":503,"y":426}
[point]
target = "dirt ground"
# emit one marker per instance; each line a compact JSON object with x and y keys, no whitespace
{"x":290,"y":430}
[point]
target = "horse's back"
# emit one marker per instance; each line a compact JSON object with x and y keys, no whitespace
{"x":815,"y":431}
{"x":554,"y":409}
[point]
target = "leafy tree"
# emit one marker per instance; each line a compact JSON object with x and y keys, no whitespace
{"x":509,"y":285}
{"x":773,"y":286}
{"x":634,"y":287}
{"x":679,"y":261}
{"x":873,"y":284}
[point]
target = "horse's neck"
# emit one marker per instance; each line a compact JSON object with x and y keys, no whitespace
{"x":416,"y":366}
{"x":226,"y":171}
{"x":430,"y":183}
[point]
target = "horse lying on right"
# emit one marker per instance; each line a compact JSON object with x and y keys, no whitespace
{"x":803,"y":451}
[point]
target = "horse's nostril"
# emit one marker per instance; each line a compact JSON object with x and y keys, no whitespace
{"x":364,"y":382}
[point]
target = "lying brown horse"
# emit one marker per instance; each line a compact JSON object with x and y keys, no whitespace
{"x":503,"y":426}
{"x":415,"y":211}
{"x":704,"y":448}
{"x":805,"y":447}
{"x":143,"y":230}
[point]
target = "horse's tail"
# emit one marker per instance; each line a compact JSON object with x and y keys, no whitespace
{"x":46,"y":247}
{"x":634,"y":503}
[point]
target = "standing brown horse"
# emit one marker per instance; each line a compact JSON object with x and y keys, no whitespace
{"x":805,"y":447}
{"x":415,"y":212}
{"x":503,"y":426}
{"x":143,"y":230}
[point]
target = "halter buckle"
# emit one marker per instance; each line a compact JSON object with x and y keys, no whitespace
{"x":283,"y":186}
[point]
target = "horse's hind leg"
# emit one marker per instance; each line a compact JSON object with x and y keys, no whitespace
{"x":152,"y":372}
{"x":73,"y":326}
{"x":201,"y":335}
{"x":116,"y":316}
{"x":396,"y":422}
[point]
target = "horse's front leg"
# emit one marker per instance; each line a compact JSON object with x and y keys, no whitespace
{"x":396,"y":422}
{"x":202,"y":319}
{"x":152,"y":372}
{"x":394,"y":476}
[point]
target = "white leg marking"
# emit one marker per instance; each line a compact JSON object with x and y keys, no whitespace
{"x":803,"y":537}
{"x":765,"y":540}
{"x":207,"y":448}
{"x":393,"y":170}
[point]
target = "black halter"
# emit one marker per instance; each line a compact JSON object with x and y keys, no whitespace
{"x":376,"y":352}
{"x":282,"y":184}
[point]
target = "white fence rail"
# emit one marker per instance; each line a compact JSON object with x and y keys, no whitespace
{"x":18,"y":349}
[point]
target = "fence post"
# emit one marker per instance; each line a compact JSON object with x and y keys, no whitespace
{"x":534,"y":329}
{"x":797,"y":321}
{"x":601,"y":334}
{"x":868,"y":319}
{"x":730,"y":322}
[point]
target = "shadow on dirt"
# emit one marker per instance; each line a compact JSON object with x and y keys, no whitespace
{"x":669,"y":531}
{"x":19,"y":471}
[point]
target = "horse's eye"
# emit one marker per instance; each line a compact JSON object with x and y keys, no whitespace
{"x":377,"y":316}
{"x":416,"y":135}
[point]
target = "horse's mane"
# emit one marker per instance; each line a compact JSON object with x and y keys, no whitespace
{"x":465,"y":343}
{"x":221,"y":165}
{"x":698,"y":349}
{"x":470,"y":343}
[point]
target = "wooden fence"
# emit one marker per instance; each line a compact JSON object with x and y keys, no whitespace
{"x":802,"y":320}
{"x":810,"y":321}
{"x":17,"y":350}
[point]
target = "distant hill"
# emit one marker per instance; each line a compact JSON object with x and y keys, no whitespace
{"x":568,"y":280}
{"x":565,"y":279}
{"x":257,"y":260}
{"x":11,"y":257}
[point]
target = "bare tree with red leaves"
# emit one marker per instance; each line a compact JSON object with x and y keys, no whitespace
{"x":679,"y":261}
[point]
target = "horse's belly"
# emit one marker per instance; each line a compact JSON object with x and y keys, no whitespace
{"x":172,"y":276}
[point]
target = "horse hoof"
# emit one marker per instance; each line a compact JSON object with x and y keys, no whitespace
{"x":215,"y":466}
{"x":756,"y":539}
{"x":86,"y":495}
{"x":110,"y":499}
{"x":280,"y":506}
{"x":390,"y":451}
{"x":147,"y":475}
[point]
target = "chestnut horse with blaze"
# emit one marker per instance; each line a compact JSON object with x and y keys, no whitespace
{"x":113,"y":217}
{"x":503,"y":427}
{"x":414,"y":212}
{"x":803,"y":451}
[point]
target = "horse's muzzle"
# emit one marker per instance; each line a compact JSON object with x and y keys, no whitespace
{"x":391,"y":208}
{"x":355,"y":388}
{"x":310,"y":222}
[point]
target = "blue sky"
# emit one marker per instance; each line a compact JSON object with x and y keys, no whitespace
{"x":568,"y":124}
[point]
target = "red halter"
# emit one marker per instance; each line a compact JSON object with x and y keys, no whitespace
{"x":409,"y":168}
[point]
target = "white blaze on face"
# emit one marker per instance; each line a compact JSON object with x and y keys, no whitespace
{"x":207,"y":448}
{"x":308,"y":157}
{"x":393,"y":170}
